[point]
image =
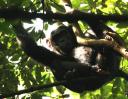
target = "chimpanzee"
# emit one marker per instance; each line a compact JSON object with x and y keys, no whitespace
{"x":90,"y":74}
{"x":69,"y":47}
{"x":91,"y":55}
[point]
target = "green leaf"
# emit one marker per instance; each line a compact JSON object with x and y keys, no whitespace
{"x":75,"y":3}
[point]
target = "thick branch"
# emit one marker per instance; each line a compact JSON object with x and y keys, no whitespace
{"x":14,"y":13}
{"x":102,"y":42}
{"x":36,"y":88}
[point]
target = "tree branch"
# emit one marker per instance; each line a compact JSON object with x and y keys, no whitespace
{"x":102,"y":42}
{"x":32,"y":89}
{"x":74,"y":16}
{"x":42,"y":87}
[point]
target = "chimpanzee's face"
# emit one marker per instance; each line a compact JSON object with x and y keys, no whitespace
{"x":64,"y":41}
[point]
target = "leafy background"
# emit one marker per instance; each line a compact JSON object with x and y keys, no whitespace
{"x":18,"y":71}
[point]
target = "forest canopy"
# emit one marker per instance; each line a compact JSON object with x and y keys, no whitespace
{"x":21,"y":77}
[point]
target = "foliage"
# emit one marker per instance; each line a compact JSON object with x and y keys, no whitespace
{"x":18,"y":71}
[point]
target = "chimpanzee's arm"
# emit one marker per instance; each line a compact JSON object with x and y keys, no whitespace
{"x":38,"y":53}
{"x":101,"y":30}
